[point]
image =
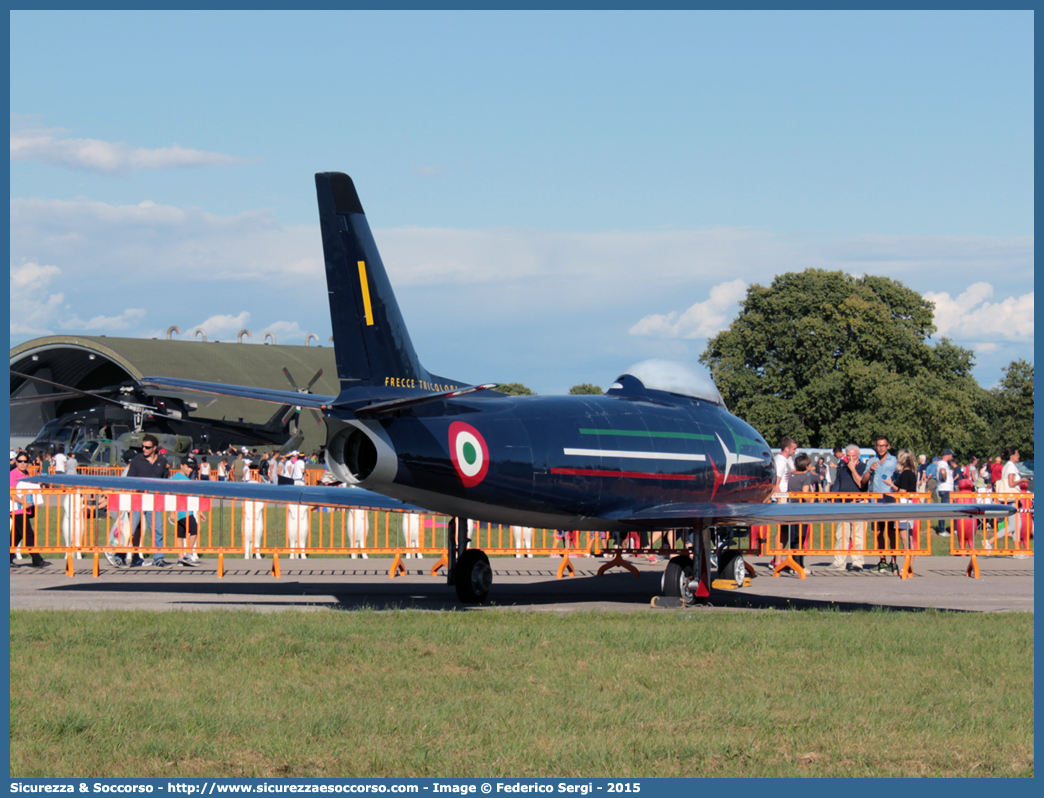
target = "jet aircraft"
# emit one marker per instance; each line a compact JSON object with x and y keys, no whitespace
{"x":659,"y":450}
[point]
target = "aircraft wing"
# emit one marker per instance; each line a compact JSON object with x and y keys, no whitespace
{"x":322,"y":495}
{"x":314,"y":400}
{"x":748,"y":514}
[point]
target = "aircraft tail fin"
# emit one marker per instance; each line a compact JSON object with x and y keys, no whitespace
{"x":371,"y":342}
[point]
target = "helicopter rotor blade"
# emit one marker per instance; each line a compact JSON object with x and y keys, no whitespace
{"x":290,"y":378}
{"x":148,"y":409}
{"x":77,"y":391}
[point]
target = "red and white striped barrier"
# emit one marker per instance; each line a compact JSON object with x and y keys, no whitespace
{"x":157,"y":502}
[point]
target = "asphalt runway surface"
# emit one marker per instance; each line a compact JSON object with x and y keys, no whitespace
{"x":520,"y":584}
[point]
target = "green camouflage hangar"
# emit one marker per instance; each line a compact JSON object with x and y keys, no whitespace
{"x":89,"y":363}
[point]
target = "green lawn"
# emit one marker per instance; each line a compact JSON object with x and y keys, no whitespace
{"x":470,"y":694}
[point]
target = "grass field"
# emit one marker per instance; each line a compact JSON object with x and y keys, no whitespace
{"x":484,"y":694}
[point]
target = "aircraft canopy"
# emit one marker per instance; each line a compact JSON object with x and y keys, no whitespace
{"x":676,"y":377}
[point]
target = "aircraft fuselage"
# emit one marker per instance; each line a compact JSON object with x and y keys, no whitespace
{"x":577,"y":462}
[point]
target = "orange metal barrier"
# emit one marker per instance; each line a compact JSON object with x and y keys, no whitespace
{"x":74,"y":522}
{"x":856,"y":539}
{"x":1010,"y":537}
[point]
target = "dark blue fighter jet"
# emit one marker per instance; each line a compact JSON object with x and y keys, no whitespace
{"x":659,"y":450}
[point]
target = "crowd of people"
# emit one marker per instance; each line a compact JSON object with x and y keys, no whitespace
{"x":890,"y":476}
{"x":238,"y":464}
{"x":845,"y":472}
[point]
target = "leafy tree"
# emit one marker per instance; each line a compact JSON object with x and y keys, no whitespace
{"x":585,"y":388}
{"x":829,"y":358}
{"x":1011,"y":410}
{"x":515,"y":389}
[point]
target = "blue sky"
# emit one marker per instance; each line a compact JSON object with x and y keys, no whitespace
{"x":556,"y":195}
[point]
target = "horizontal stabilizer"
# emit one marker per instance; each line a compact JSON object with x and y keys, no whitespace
{"x":744,"y":514}
{"x":393,"y":405}
{"x":243,"y":391}
{"x":317,"y":495}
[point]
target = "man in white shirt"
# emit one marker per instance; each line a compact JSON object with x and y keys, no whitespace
{"x":784,"y":463}
{"x":253,"y":521}
{"x":60,"y":460}
{"x":945,"y":471}
{"x":298,"y":518}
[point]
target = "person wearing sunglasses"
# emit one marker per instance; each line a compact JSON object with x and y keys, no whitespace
{"x":22,"y":509}
{"x":152,"y":465}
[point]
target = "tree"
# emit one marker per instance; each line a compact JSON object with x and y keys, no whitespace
{"x":585,"y":388}
{"x":1011,"y":410}
{"x":515,"y":389}
{"x":829,"y":358}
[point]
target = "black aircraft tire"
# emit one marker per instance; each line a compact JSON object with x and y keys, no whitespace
{"x":473,"y":577}
{"x":726,"y":567}
{"x":676,"y":578}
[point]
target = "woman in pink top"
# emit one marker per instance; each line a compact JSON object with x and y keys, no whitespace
{"x":22,"y":510}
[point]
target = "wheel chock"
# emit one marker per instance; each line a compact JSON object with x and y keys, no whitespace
{"x":973,"y":568}
{"x":443,"y":562}
{"x":729,"y":584}
{"x":397,"y":566}
{"x":276,"y":572}
{"x":667,"y":602}
{"x":618,"y":561}
{"x":565,"y":565}
{"x":221,"y":564}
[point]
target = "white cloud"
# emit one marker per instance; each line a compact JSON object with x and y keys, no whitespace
{"x":220,"y":326}
{"x":34,"y":309}
{"x":531,"y":292}
{"x":147,"y":241}
{"x":124,"y":321}
{"x":702,"y":320}
{"x":971,"y":316}
{"x":48,"y":145}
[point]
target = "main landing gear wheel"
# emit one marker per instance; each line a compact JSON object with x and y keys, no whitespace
{"x":731,"y":566}
{"x":473,"y":576}
{"x":675,"y":581}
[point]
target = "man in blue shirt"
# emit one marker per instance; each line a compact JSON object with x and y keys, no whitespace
{"x":878,"y":475}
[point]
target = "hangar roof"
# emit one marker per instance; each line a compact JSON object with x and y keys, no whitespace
{"x":91,"y":362}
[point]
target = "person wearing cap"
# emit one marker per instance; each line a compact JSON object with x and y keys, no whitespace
{"x":238,"y":465}
{"x":188,"y":527}
{"x":945,"y":488}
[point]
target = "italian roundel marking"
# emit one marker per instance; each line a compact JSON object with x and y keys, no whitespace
{"x":469,"y":453}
